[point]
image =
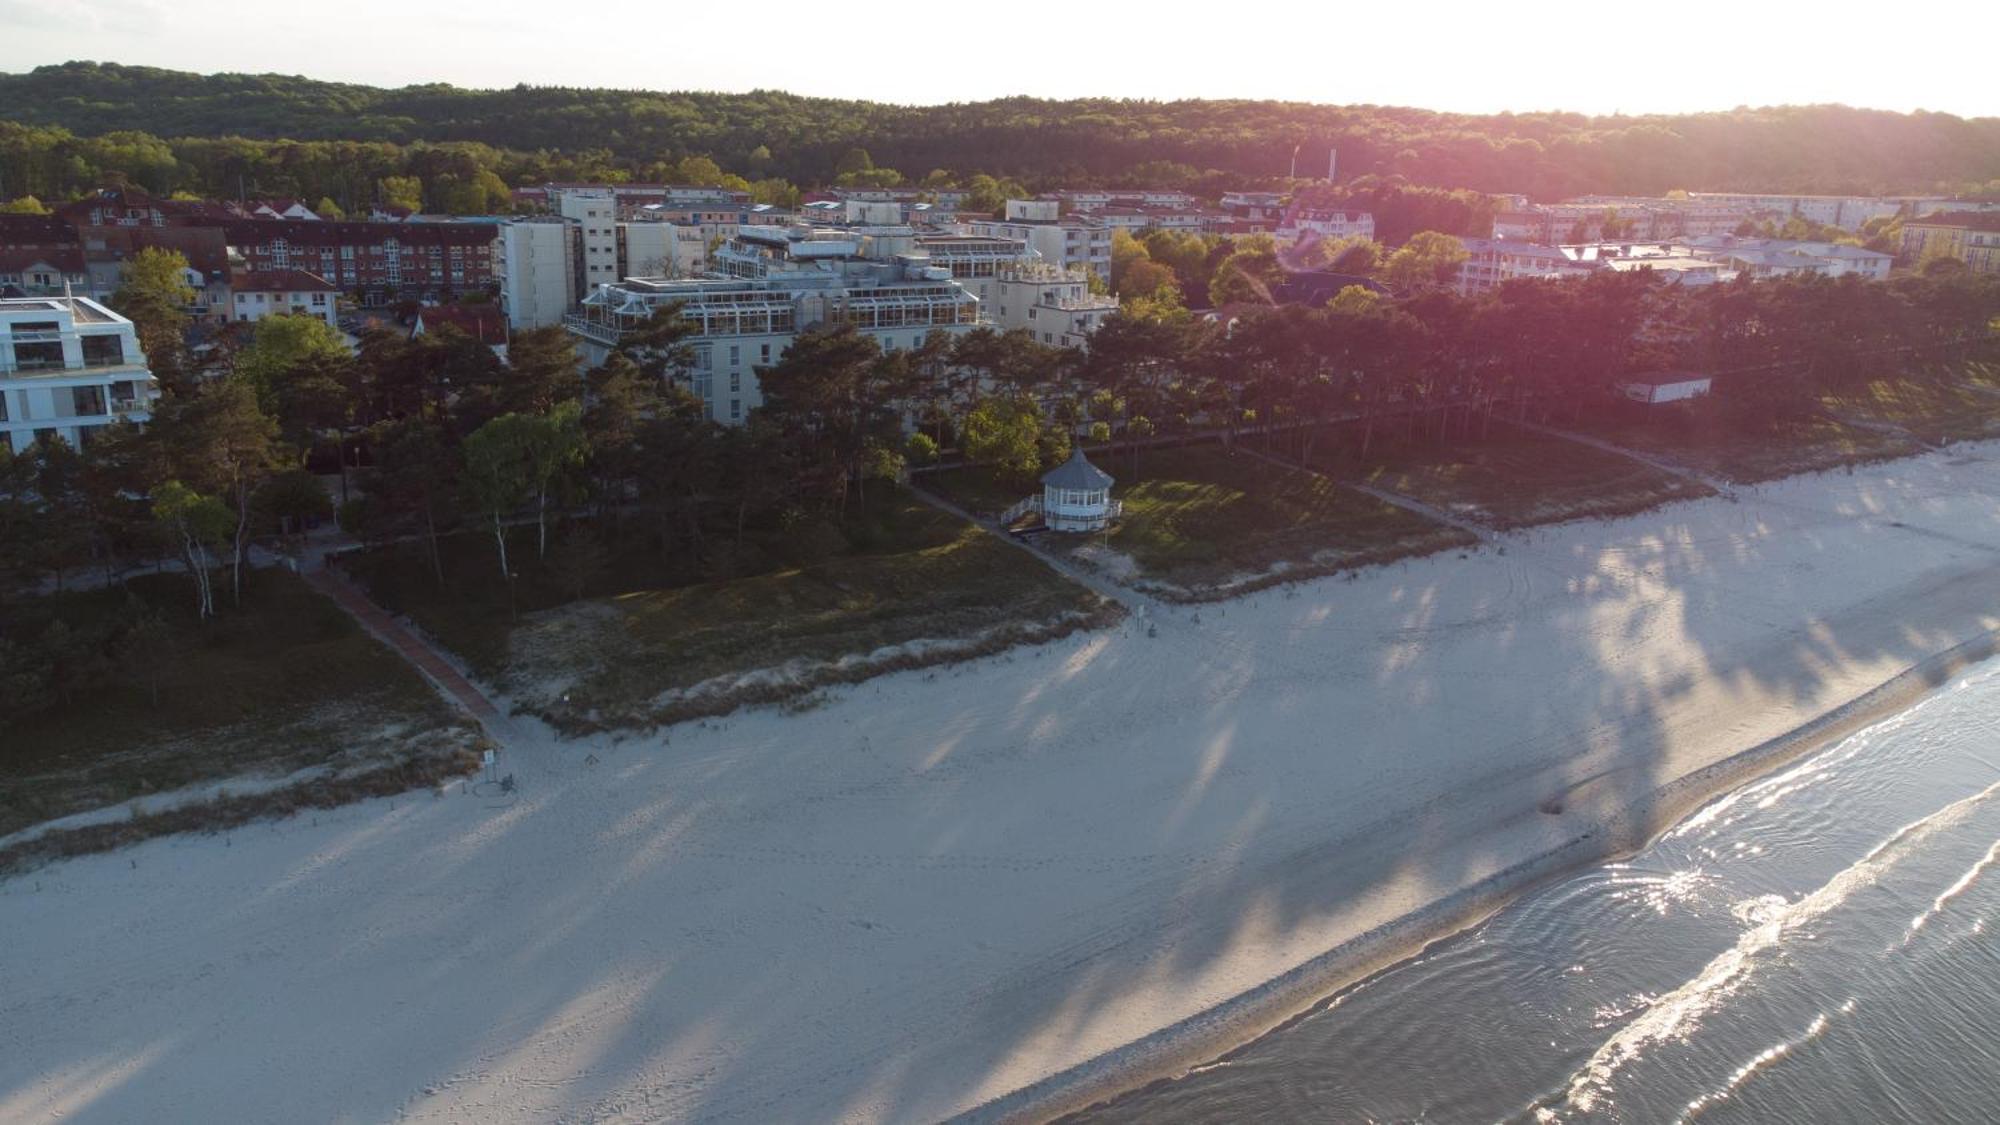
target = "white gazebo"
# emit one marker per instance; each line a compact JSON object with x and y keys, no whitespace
{"x":1076,"y":496}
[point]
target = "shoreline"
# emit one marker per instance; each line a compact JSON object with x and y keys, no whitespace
{"x":1219,"y":1032}
{"x":1021,"y":885}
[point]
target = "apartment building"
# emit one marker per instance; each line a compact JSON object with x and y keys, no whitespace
{"x":1848,"y":212}
{"x":380,"y":261}
{"x":106,"y":250}
{"x":1088,"y":200}
{"x":256,"y":295}
{"x":1973,"y":237}
{"x":769,"y":283}
{"x":40,"y":257}
{"x":596,"y":219}
{"x":1310,"y":224}
{"x":68,"y":366}
{"x":537,"y":271}
{"x":546,"y":196}
{"x":1073,"y":241}
{"x":1016,"y":289}
{"x":1490,"y":262}
{"x":1053,"y":304}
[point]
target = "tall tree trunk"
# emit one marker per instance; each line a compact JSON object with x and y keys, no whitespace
{"x":431,"y":534}
{"x":242,"y":533}
{"x":541,"y":523}
{"x":500,"y":537}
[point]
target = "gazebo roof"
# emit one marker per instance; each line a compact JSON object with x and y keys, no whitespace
{"x":1077,"y":473}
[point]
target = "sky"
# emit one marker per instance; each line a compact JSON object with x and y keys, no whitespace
{"x":1477,"y":58}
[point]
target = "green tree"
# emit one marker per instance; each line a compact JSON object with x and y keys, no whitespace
{"x":1429,"y":260}
{"x":23,"y":205}
{"x":283,"y":343}
{"x":542,"y":370}
{"x":193,"y":523}
{"x":154,"y":294}
{"x":406,"y":192}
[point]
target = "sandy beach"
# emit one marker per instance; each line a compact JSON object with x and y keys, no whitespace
{"x":1002,"y":888}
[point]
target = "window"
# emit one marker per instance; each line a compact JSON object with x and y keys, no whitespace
{"x":735,"y":382}
{"x":735,"y":355}
{"x":319,"y":299}
{"x":764,"y":353}
{"x":735,"y":409}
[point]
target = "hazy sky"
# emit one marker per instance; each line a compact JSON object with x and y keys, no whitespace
{"x":1597,"y":58}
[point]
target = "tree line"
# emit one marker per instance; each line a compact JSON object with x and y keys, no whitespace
{"x":172,"y":130}
{"x":562,"y":470}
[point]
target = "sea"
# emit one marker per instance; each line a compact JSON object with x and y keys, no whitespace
{"x":1822,"y":945}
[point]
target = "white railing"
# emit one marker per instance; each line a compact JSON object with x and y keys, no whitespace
{"x":1031,"y":504}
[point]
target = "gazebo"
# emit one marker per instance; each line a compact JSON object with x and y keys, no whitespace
{"x":1076,"y":496}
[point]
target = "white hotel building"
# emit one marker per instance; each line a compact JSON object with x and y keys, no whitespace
{"x":768,"y":284}
{"x":68,"y":366}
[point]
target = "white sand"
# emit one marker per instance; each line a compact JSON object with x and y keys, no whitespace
{"x":941,"y":888}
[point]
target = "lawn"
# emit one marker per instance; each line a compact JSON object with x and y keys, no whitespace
{"x":1939,"y":405}
{"x":1201,"y":521}
{"x":909,"y":586}
{"x":1514,"y":478}
{"x":1747,"y":450}
{"x":283,"y":683}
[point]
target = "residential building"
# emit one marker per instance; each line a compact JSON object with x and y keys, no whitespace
{"x":1070,"y":241}
{"x":1264,"y":205}
{"x":380,"y":261}
{"x":596,"y":218}
{"x":537,"y":268}
{"x":1310,"y":224}
{"x":484,"y":323}
{"x":1492,"y":261}
{"x":546,"y":196}
{"x":1055,"y":305}
{"x":1089,"y":200}
{"x":1833,"y":259}
{"x":767,"y":284}
{"x":67,"y":367}
{"x":1845,"y":211}
{"x":258,"y":294}
{"x":657,"y":249}
{"x":106,"y":250}
{"x":40,"y":256}
{"x":1973,"y":237}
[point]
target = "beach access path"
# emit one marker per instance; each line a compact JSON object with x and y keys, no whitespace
{"x":948,"y":885}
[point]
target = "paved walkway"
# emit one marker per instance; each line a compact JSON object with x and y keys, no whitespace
{"x":1409,"y":504}
{"x":415,"y":650}
{"x":1720,"y":485}
{"x":1124,"y":595}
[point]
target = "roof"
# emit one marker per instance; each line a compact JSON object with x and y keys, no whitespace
{"x":41,"y":229}
{"x":205,"y":249}
{"x":1970,"y":220}
{"x":282,"y":281}
{"x":1663,"y":379}
{"x":484,"y":323}
{"x":68,"y":259}
{"x":304,"y":232}
{"x":1077,"y":473}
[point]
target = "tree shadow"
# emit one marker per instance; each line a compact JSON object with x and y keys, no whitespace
{"x":946,"y":886}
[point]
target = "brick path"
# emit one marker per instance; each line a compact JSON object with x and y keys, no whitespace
{"x":412,"y":649}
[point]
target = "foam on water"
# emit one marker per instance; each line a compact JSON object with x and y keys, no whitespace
{"x":1813,"y":946}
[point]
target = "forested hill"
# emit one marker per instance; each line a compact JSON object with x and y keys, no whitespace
{"x":1548,"y":155}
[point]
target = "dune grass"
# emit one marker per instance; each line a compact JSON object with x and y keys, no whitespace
{"x":285,"y":682}
{"x":1201,"y":520}
{"x":907,"y":586}
{"x":1513,"y":478}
